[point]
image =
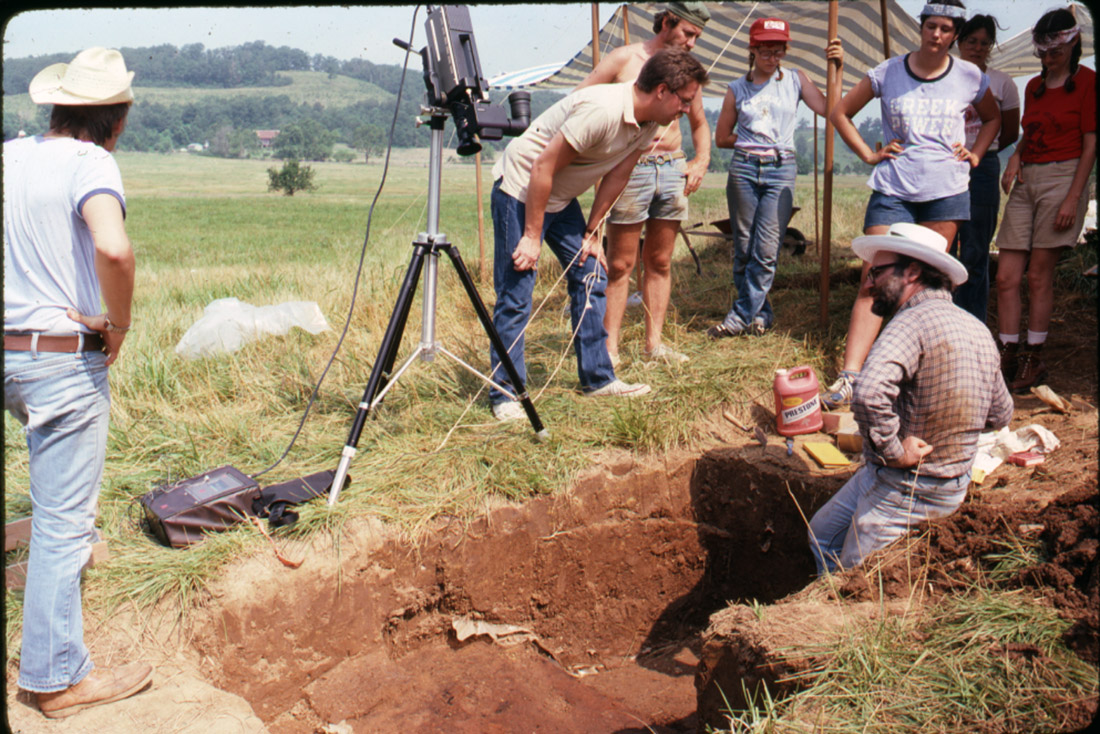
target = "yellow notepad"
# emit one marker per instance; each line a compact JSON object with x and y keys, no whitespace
{"x":825,"y":454}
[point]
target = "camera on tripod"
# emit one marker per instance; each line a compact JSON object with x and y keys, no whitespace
{"x":452,"y":74}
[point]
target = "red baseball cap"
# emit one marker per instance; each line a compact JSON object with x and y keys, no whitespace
{"x":769,"y":29}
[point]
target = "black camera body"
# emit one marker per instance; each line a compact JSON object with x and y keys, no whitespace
{"x":452,"y":75}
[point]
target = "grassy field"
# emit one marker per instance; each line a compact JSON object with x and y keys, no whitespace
{"x":206,"y":228}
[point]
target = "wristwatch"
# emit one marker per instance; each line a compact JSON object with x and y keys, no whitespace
{"x":115,"y":328}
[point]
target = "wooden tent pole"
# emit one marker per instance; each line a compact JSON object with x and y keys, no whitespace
{"x":626,"y":26}
{"x":595,"y":34}
{"x":832,"y":90}
{"x":817,"y":215}
{"x":885,"y":29}
{"x":480,"y":221}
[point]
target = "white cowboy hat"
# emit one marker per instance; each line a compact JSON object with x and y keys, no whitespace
{"x":915,"y":241}
{"x":97,"y":76}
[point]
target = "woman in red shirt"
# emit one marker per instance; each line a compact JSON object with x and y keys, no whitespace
{"x":1050,"y":169}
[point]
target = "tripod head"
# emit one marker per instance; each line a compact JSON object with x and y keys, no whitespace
{"x":452,"y":75}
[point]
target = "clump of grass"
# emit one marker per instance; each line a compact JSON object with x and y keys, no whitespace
{"x":984,"y":661}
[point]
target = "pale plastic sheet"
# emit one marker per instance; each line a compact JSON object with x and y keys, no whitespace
{"x":227,"y":324}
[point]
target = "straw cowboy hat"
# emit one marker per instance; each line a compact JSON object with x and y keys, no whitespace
{"x":915,"y":241}
{"x":97,"y":76}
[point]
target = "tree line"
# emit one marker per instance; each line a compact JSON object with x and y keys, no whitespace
{"x":227,"y":127}
{"x":253,"y":64}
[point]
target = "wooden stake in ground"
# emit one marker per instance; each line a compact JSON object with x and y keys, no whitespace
{"x":832,"y":94}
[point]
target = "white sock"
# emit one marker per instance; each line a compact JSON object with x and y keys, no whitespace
{"x":1010,"y":338}
{"x":1036,"y":337}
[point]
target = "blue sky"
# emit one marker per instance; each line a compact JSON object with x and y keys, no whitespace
{"x":509,"y":36}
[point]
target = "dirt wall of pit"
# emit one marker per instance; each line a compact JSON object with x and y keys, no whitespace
{"x":636,"y":554}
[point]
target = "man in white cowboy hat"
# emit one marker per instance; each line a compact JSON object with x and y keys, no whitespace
{"x":65,"y":251}
{"x":656,"y":196}
{"x":930,"y":385}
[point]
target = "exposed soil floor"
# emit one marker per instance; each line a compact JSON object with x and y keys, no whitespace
{"x":584,"y":611}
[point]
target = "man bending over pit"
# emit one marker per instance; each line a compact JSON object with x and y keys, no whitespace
{"x":599,"y":131}
{"x":656,"y":195}
{"x":931,"y":383}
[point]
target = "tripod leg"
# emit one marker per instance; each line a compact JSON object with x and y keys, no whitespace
{"x":495,"y":340}
{"x":379,"y":374}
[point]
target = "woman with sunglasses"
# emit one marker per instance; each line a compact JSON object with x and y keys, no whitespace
{"x":758,"y":120}
{"x":1048,"y":175}
{"x":975,"y":43}
{"x":922,"y":175}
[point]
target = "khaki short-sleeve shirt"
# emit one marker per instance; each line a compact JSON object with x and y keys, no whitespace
{"x":598,"y":122}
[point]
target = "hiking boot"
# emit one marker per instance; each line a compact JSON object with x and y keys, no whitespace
{"x":509,"y":410}
{"x":665,"y":354}
{"x":618,"y":388}
{"x":102,"y":685}
{"x":1031,"y":370}
{"x":839,"y":394}
{"x":1010,"y":361}
{"x":721,"y":331}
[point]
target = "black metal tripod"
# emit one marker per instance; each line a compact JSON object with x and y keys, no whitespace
{"x":426,"y":249}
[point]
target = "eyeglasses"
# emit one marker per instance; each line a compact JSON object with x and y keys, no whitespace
{"x":686,"y":102}
{"x":877,"y":270}
{"x":972,"y":41}
{"x":770,"y":53}
{"x":1055,"y":53}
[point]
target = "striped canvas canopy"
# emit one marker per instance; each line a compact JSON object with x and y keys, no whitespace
{"x":723,"y":47}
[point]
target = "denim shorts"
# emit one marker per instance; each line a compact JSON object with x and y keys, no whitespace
{"x":884,"y":210}
{"x":655,"y":191}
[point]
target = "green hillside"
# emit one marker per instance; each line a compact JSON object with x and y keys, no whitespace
{"x":308,"y":87}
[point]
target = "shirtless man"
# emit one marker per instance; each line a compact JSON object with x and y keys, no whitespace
{"x":656,"y":195}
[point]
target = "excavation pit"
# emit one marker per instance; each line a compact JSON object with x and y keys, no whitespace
{"x":596,"y":600}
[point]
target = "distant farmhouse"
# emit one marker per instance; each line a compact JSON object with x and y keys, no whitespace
{"x":266,"y":136}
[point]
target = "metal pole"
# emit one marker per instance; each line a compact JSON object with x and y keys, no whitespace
{"x":832,"y":94}
{"x":885,"y":29}
{"x":480,"y":221}
{"x":595,"y":34}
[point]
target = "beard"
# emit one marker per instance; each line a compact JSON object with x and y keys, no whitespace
{"x":887,"y":298}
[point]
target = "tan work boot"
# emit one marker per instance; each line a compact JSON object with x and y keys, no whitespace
{"x":102,"y":685}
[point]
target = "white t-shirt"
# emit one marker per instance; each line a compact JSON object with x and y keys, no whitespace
{"x":597,"y":122}
{"x":1008,"y":98}
{"x":49,"y":254}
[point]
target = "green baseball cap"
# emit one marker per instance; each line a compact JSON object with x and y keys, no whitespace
{"x":694,"y":13}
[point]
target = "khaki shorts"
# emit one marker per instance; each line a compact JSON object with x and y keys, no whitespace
{"x":1028,"y":221}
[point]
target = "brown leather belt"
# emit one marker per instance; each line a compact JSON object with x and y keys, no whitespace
{"x":22,"y":341}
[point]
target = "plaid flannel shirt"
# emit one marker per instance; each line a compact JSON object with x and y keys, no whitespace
{"x":934,"y":373}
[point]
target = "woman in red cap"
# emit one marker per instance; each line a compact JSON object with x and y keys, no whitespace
{"x":758,"y":121}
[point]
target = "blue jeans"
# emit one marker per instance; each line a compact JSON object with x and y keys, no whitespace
{"x":64,"y":403}
{"x":760,"y":197}
{"x":971,"y":246}
{"x":564,"y":232}
{"x":874,"y":508}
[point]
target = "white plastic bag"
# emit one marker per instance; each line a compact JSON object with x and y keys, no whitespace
{"x":227,"y":324}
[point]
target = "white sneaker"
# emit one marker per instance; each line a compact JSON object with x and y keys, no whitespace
{"x":667,"y":355}
{"x":618,"y":388}
{"x":509,"y":410}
